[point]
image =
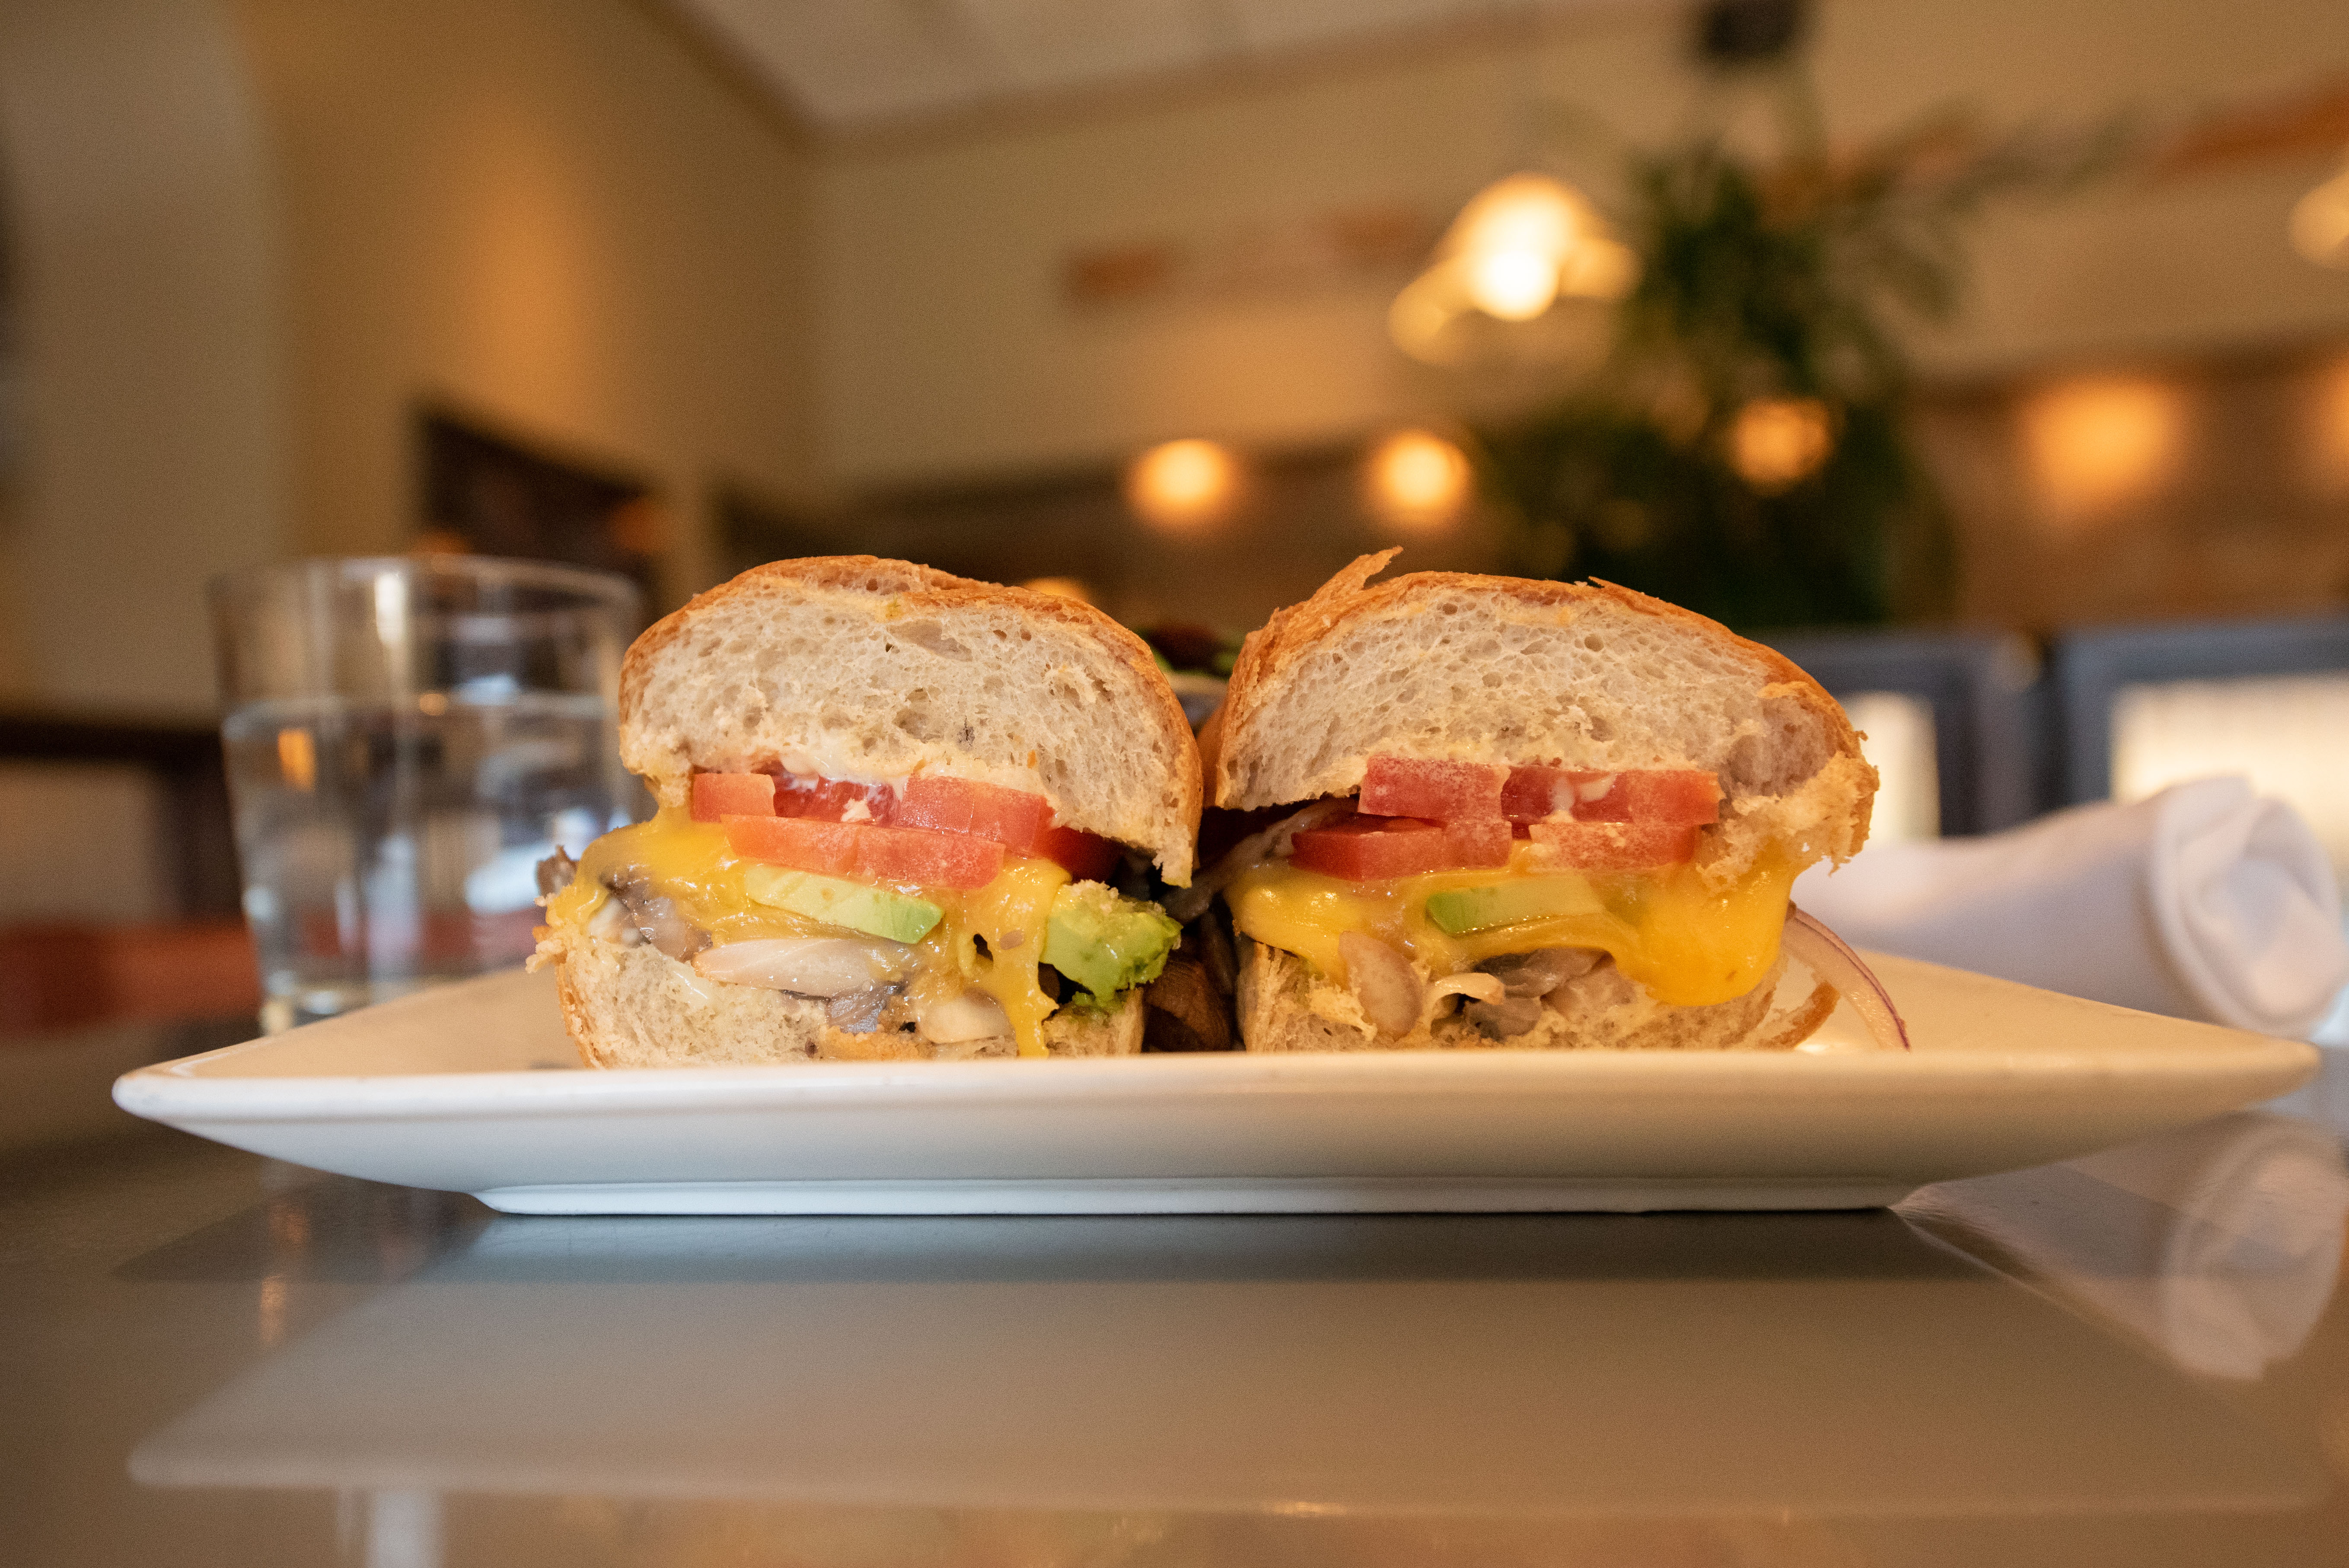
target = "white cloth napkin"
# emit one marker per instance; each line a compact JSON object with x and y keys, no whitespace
{"x":2203,"y":901}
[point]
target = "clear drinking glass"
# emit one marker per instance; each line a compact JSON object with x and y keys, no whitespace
{"x":407,"y":739}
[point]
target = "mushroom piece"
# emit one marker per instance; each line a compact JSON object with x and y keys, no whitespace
{"x":1383,"y":982}
{"x":555,"y":873}
{"x":1504,"y":1019}
{"x":1183,"y":1011}
{"x":1544,"y":970}
{"x":657,"y":921}
{"x":973,"y":1015}
{"x":862,"y":1011}
{"x":807,"y":965}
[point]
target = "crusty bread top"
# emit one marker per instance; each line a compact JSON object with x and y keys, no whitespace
{"x":1448,"y":666}
{"x":855,"y":667}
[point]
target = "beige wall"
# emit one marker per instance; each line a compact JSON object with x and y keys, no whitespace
{"x":139,"y":224}
{"x":946,"y":351}
{"x":554,"y":214}
{"x":252,"y":235}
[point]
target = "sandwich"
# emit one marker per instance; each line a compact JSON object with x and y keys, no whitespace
{"x":902,"y":815}
{"x":1493,"y":813}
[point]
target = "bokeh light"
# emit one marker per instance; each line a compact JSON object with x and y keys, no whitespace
{"x":2098,"y":443}
{"x":1778,"y":442}
{"x":1182,"y":486}
{"x":1418,"y":480}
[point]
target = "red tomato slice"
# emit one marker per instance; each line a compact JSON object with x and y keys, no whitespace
{"x":1012,"y":818}
{"x":1435,"y":791}
{"x":716,"y":794}
{"x":1617,"y":846}
{"x":1370,"y":849}
{"x":1675,"y":795}
{"x":910,"y":855}
{"x":1478,"y":845}
{"x":1086,"y":857}
{"x":828,"y":800}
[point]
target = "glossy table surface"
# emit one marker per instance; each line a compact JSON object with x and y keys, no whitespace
{"x":2142,"y":1357}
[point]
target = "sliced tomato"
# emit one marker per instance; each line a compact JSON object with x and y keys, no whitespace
{"x":930,"y":858}
{"x":908,"y":855}
{"x":1676,"y":795}
{"x":1370,"y":849}
{"x":716,"y":794}
{"x":830,"y":799}
{"x":1364,"y":847}
{"x":1616,"y":846}
{"x":1087,"y":857}
{"x":1012,"y":818}
{"x":1481,"y":844}
{"x":1435,"y":791}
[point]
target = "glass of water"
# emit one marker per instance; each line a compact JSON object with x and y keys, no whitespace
{"x":407,"y":739}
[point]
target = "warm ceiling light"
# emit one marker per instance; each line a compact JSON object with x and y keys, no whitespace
{"x":2320,"y":223}
{"x":1182,"y":485}
{"x":1418,"y":480}
{"x":1512,"y":284}
{"x":1777,"y":443}
{"x":2095,"y":444}
{"x":1518,"y":247}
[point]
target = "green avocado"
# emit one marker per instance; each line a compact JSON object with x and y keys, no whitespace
{"x":1106,"y":943}
{"x":875,"y":910}
{"x":1465,"y":909}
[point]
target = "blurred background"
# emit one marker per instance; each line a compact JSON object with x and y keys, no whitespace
{"x":1991,"y":359}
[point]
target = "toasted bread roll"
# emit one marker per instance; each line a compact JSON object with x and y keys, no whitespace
{"x":901,"y":855}
{"x":1590,"y":679}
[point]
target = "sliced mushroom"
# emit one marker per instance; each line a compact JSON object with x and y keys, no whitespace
{"x":1542,"y":971}
{"x":555,"y":873}
{"x":861,"y":1012}
{"x":973,"y":1015}
{"x":807,"y":965}
{"x":657,"y":921}
{"x":1182,"y":1011}
{"x":1383,"y":981}
{"x":1504,"y":1019}
{"x":1603,"y":988}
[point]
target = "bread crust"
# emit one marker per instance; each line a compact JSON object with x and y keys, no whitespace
{"x":1270,"y":655}
{"x":904,"y":591}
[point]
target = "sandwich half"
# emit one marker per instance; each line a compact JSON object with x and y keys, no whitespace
{"x":896,"y":810}
{"x":1539,"y":815}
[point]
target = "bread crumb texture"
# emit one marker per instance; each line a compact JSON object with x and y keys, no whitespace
{"x":855,"y":667}
{"x":1447,"y":666}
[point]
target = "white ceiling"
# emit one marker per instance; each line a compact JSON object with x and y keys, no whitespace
{"x":853,"y":66}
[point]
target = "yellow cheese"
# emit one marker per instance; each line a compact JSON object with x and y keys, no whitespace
{"x":1685,"y":942}
{"x":691,"y":864}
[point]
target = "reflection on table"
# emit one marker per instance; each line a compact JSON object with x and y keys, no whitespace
{"x":1699,"y":1389}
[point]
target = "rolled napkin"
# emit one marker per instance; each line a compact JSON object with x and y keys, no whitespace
{"x":2203,"y":901}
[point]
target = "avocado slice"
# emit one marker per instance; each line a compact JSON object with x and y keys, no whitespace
{"x":1456,"y":911}
{"x":1106,"y":943}
{"x":875,"y":910}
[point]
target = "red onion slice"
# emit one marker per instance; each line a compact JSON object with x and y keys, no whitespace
{"x":1834,"y":962}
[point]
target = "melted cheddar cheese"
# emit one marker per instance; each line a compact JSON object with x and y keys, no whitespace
{"x":1684,"y":942}
{"x":691,"y":864}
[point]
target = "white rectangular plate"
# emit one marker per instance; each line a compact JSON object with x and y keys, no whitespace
{"x":474,"y":1087}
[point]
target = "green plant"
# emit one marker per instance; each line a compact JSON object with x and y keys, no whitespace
{"x":1744,"y":446}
